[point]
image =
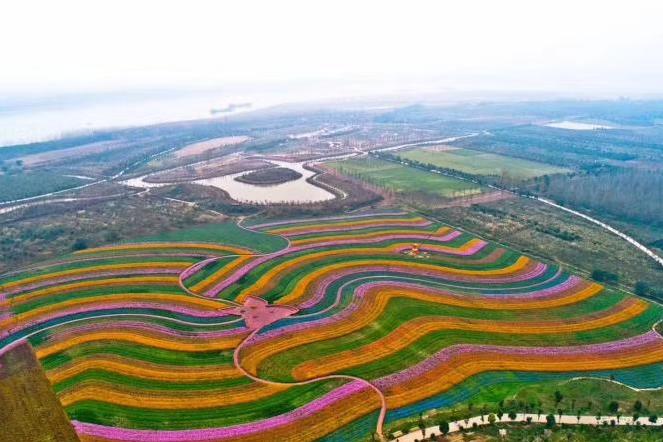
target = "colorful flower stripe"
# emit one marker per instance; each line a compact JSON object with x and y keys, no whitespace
{"x":147,"y":266}
{"x":455,"y":364}
{"x":380,"y":293}
{"x":522,"y":270}
{"x":177,"y":303}
{"x":98,"y":275}
{"x":271,"y":278}
{"x":410,"y":332}
{"x":292,"y":250}
{"x":126,"y":344}
{"x":340,"y":407}
{"x":167,"y":400}
{"x":223,"y":273}
{"x":224,"y":343}
{"x":368,"y":305}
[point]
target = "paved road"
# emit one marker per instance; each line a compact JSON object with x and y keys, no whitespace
{"x":522,"y":417}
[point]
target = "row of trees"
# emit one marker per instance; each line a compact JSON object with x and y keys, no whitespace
{"x":628,"y":193}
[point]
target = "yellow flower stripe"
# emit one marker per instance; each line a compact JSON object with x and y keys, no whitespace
{"x":136,"y":397}
{"x":143,"y":370}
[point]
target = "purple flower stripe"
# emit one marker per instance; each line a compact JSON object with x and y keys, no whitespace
{"x":226,"y":433}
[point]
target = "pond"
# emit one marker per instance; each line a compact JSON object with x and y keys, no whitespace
{"x":296,"y":191}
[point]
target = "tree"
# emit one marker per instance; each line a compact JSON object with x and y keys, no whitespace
{"x":653,"y":418}
{"x":512,"y":415}
{"x":605,"y":276}
{"x":444,"y":427}
{"x":79,"y":244}
{"x":491,"y":419}
{"x":550,"y":421}
{"x":613,"y":406}
{"x":558,"y":397}
{"x":641,"y":288}
{"x":637,"y":406}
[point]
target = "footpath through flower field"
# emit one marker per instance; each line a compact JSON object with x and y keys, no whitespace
{"x":359,"y":322}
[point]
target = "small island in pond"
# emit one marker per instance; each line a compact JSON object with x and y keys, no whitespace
{"x":268,"y":177}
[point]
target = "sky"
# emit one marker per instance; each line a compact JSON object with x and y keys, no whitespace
{"x":81,"y":45}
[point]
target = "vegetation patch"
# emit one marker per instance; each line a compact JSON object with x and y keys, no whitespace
{"x":403,"y":179}
{"x":481,"y":163}
{"x":270,"y":176}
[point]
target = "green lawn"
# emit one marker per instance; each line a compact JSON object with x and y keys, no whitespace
{"x":482,"y":163}
{"x":224,"y":233}
{"x":403,"y":179}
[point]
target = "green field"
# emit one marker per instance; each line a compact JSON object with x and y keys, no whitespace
{"x":482,"y":163}
{"x":403,"y":179}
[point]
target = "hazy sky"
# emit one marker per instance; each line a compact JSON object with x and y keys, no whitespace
{"x":499,"y":44}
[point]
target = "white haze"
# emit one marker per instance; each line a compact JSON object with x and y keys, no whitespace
{"x":552,"y":45}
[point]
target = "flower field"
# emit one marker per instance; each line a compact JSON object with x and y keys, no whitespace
{"x":360,"y":321}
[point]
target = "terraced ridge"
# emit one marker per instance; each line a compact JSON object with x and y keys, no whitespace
{"x":371,"y":319}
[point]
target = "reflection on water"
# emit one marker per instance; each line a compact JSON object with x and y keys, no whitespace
{"x":296,"y":191}
{"x":574,"y":125}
